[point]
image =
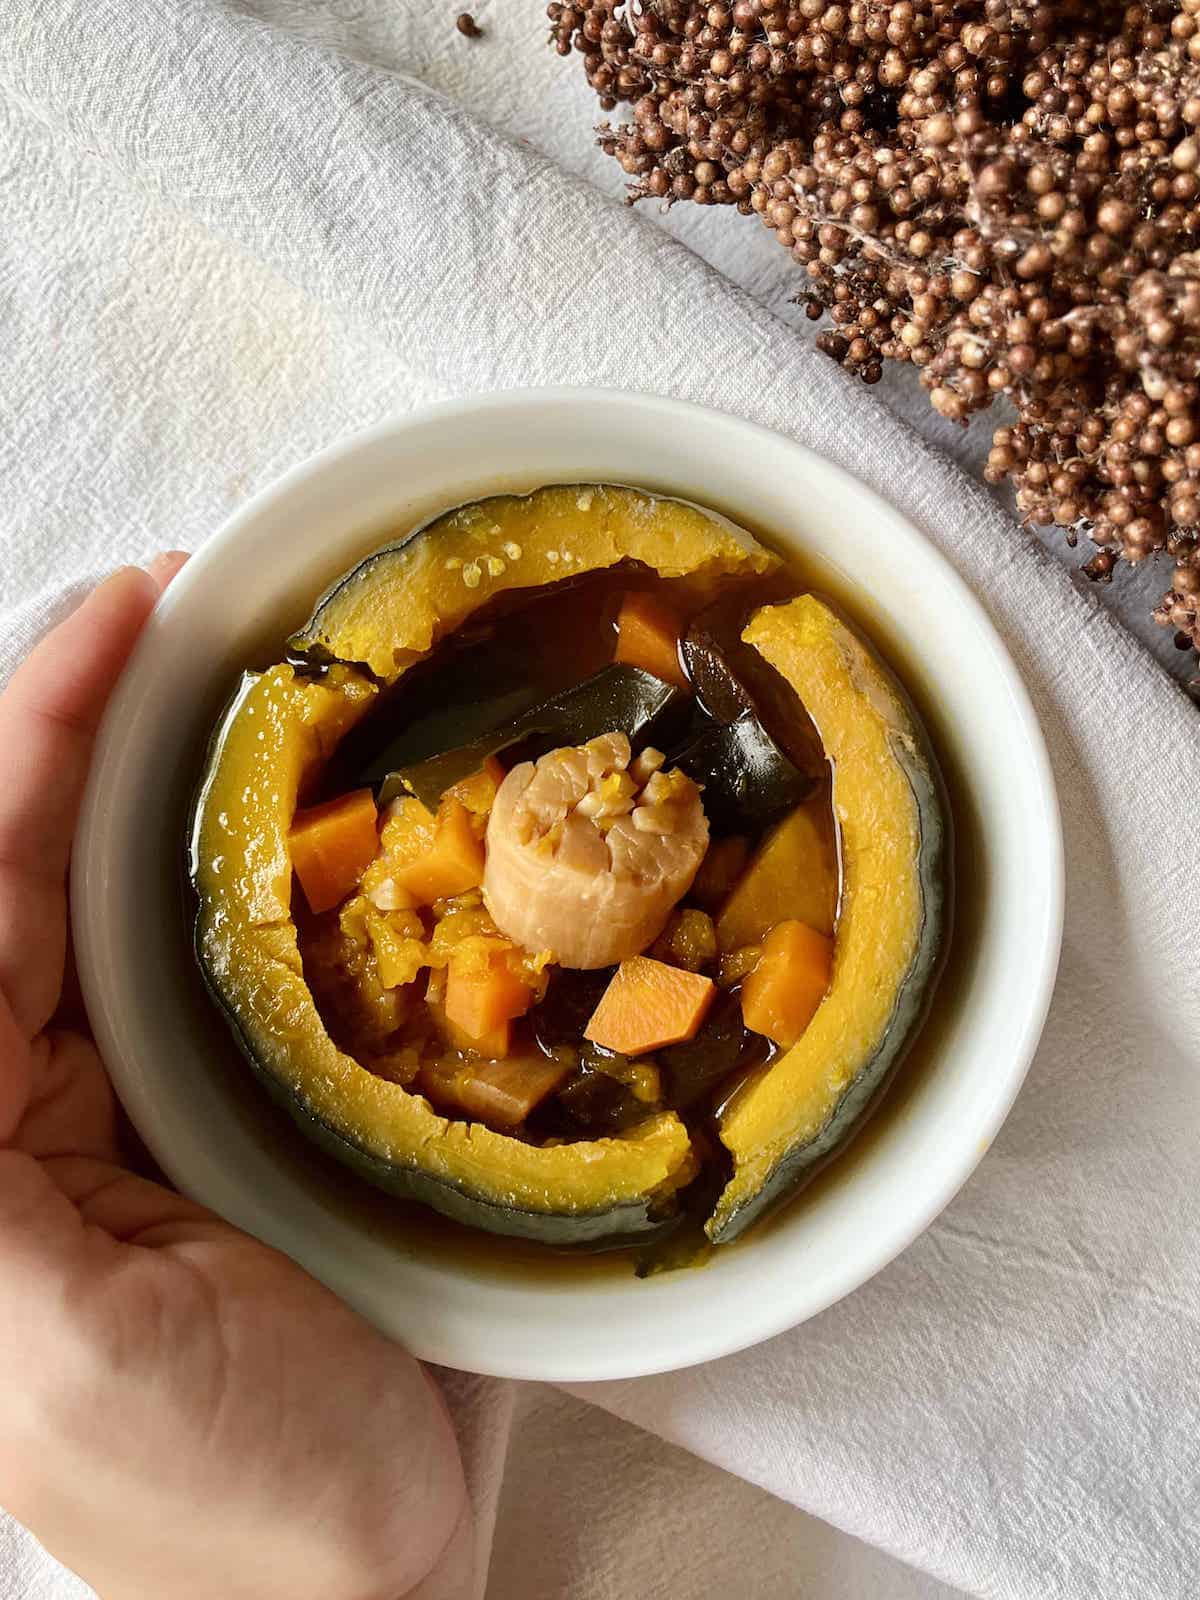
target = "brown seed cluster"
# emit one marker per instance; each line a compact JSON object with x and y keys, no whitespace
{"x":1005,"y":195}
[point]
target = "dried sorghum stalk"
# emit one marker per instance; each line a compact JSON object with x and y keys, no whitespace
{"x":1007,"y":196}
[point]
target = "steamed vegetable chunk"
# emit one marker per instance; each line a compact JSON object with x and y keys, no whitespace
{"x":444,"y":853}
{"x":484,"y":994}
{"x":649,"y":1004}
{"x":780,"y":997}
{"x":793,"y":876}
{"x":502,"y":1094}
{"x":648,"y":636}
{"x":332,"y":845}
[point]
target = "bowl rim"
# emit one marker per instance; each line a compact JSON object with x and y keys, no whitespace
{"x":773,"y":1316}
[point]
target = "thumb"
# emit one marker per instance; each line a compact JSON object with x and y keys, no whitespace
{"x":42,"y":1240}
{"x":62,"y":1214}
{"x":16,"y":1072}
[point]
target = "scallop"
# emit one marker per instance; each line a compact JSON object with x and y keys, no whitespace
{"x":586,"y":858}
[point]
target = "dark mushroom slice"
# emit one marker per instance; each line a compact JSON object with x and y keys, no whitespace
{"x":723,"y":1046}
{"x":591,"y":1105}
{"x":618,"y":698}
{"x":731,"y":679}
{"x":746,"y":780}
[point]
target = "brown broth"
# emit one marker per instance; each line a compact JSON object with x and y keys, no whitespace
{"x":477,"y":679}
{"x":578,"y":639}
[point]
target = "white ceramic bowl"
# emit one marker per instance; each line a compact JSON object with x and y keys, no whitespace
{"x":216,"y":1135}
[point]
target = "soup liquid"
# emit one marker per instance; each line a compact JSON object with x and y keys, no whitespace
{"x":513,"y":655}
{"x":573,"y":624}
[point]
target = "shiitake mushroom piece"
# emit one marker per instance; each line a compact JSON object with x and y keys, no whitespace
{"x":590,"y":1105}
{"x":560,"y":1017}
{"x":624,"y":697}
{"x":722,"y":1046}
{"x":746,"y":780}
{"x":732,"y":681}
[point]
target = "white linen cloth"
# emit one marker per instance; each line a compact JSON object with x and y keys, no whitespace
{"x":224,"y":242}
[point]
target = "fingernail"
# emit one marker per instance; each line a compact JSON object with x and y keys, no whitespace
{"x":117,"y":578}
{"x":165,"y":565}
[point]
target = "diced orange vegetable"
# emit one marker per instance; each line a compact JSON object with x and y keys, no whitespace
{"x":648,"y":637}
{"x":332,"y":845}
{"x":500,"y":1093}
{"x":494,"y":1045}
{"x":478,"y":792}
{"x":781,"y":995}
{"x":649,"y":1004}
{"x":453,"y":862}
{"x":482,"y":996}
{"x":792,"y":876}
{"x":719,"y":871}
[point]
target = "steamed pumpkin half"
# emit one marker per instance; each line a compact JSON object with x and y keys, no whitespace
{"x":574,"y":866}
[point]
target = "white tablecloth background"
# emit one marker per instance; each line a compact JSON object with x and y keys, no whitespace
{"x":224,"y":244}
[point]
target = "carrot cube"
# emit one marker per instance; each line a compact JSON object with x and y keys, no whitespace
{"x":780,"y":997}
{"x":649,"y":1004}
{"x":494,"y":1045}
{"x":648,"y":637}
{"x":332,"y":845}
{"x":483,"y":997}
{"x":453,"y":861}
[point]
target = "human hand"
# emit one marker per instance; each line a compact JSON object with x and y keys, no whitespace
{"x":184,"y":1413}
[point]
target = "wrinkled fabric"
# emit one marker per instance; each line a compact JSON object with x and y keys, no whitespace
{"x":245,"y":238}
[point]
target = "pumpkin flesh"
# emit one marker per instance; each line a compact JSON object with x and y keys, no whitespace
{"x":787,"y":1119}
{"x":396,"y":604}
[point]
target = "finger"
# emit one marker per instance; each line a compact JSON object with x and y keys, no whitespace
{"x":42,"y":1235}
{"x":16,"y":1073}
{"x":71,"y":1109}
{"x":130,"y":1209}
{"x":48,"y":719}
{"x":59,"y":1215}
{"x":166,"y":565}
